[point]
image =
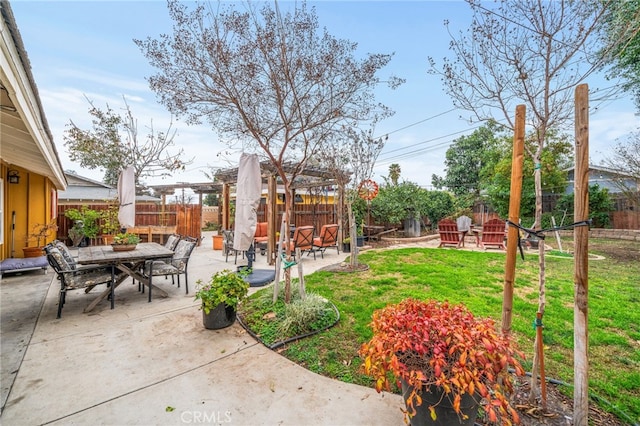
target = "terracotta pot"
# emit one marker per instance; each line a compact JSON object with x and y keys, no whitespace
{"x":32,"y":251}
{"x":123,"y":247}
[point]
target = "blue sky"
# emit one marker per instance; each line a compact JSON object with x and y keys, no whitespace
{"x":85,"y":48}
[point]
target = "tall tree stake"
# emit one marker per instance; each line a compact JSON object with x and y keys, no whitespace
{"x":581,"y":260}
{"x":514,"y":214}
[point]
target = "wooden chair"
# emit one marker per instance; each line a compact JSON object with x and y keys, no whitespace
{"x":328,"y":238}
{"x":302,"y":239}
{"x":449,"y":234}
{"x":493,"y":232}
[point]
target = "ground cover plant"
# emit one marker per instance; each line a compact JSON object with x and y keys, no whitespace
{"x":476,"y":279}
{"x":276,"y":323}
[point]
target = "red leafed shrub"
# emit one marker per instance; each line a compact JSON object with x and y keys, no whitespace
{"x":438,"y":344}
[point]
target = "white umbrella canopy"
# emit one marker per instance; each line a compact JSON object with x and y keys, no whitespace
{"x":248,"y":191}
{"x":127,"y":198}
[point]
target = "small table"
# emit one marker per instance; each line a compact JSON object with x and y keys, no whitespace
{"x":128,"y":262}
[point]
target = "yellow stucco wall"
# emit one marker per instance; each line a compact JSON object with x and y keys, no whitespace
{"x":29,"y":202}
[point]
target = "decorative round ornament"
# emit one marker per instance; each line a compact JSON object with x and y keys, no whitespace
{"x":368,"y":189}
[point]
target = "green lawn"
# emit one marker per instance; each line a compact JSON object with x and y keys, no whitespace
{"x":476,"y":279}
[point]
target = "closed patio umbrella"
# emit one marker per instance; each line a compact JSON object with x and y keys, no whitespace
{"x":248,"y":191}
{"x":127,"y":198}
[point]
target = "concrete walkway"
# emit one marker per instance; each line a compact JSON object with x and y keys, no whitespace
{"x":155,"y":364}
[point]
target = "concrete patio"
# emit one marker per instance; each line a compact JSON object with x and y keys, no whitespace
{"x":155,"y":364}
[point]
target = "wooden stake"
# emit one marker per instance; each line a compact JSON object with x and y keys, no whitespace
{"x":514,"y":216}
{"x":581,"y":260}
{"x":543,"y":380}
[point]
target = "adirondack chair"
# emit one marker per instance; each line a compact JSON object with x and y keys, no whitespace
{"x":449,"y":234}
{"x":493,"y":232}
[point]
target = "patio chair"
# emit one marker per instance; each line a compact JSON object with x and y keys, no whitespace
{"x":227,"y":247}
{"x":303,"y":240}
{"x":175,"y":268}
{"x":172,"y":241}
{"x":72,"y":277}
{"x":493,"y":233}
{"x":449,"y":234}
{"x":328,"y":238}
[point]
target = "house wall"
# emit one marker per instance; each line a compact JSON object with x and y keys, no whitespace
{"x":31,"y":200}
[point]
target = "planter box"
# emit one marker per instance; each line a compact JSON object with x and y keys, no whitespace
{"x":217,"y":242}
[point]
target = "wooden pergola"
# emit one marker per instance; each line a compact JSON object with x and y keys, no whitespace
{"x":310,"y":177}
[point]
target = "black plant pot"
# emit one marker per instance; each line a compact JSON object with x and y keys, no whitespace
{"x":445,"y":414}
{"x":219,"y":317}
{"x":360,"y":240}
{"x":346,"y":247}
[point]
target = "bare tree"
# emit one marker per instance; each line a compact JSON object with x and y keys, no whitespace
{"x":113,"y":144}
{"x":624,"y":162}
{"x":269,"y":81}
{"x":525,"y":52}
{"x":351,"y":159}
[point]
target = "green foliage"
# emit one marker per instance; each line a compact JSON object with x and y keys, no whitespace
{"x":126,"y":239}
{"x":407,"y":200}
{"x":622,"y":23}
{"x":85,"y":220}
{"x":211,"y":200}
{"x":113,"y":144}
{"x":301,"y":315}
{"x":600,"y":205}
{"x":110,"y":223}
{"x":554,"y":159}
{"x":440,"y":204}
{"x":224,"y":287}
{"x":466,"y":158}
{"x":277,"y":322}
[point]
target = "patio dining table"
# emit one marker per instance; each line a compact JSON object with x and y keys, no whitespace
{"x":130,"y":262}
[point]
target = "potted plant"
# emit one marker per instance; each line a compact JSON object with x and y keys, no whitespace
{"x":125,"y":241}
{"x":85,"y":222}
{"x":447,"y":362}
{"x":346,"y":245}
{"x":109,"y":225}
{"x":39,"y":234}
{"x":220,"y":298}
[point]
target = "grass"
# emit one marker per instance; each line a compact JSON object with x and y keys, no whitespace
{"x":476,"y":279}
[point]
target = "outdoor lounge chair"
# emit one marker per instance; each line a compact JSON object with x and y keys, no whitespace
{"x":303,"y":240}
{"x":493,"y":233}
{"x":449,"y":234}
{"x":328,"y":238}
{"x":72,"y":277}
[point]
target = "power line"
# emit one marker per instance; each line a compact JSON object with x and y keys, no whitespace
{"x":416,"y":123}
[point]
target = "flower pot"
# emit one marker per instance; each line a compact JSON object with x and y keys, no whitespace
{"x":445,"y":414}
{"x":346,"y":247}
{"x":217,"y":242}
{"x":123,"y":247}
{"x":32,"y":251}
{"x":219,"y":317}
{"x":360,"y":240}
